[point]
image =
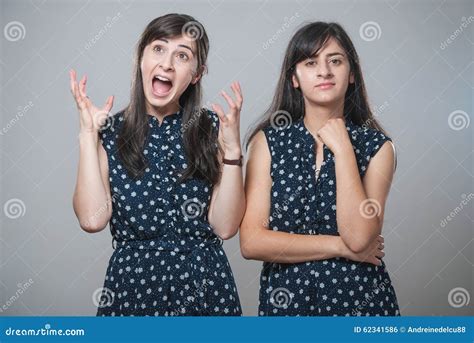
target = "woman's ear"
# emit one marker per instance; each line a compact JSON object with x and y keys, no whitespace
{"x":195,"y":79}
{"x":198,"y":75}
{"x":351,"y":77}
{"x":294,"y":81}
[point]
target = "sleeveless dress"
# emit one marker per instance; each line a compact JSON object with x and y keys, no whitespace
{"x":167,"y":261}
{"x":300,"y":204}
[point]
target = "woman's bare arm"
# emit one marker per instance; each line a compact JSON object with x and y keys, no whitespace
{"x":361,"y":203}
{"x":91,"y":200}
{"x":259,"y":243}
{"x":227,"y":205}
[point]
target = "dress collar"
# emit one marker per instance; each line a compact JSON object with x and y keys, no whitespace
{"x":167,"y":119}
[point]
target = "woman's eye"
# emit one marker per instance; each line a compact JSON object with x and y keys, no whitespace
{"x":183,"y":56}
{"x":336,"y":62}
{"x":310,"y":63}
{"x":157,"y":48}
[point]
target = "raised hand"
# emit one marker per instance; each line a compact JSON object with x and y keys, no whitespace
{"x":229,"y":124}
{"x":92,"y":118}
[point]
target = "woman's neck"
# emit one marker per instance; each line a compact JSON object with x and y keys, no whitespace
{"x":161,"y":112}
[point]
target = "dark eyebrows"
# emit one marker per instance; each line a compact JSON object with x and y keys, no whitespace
{"x":331,"y":54}
{"x":187,"y":47}
{"x":335,"y":54}
{"x":180,"y":45}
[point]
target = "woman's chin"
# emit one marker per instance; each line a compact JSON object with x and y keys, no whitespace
{"x":159,"y":101}
{"x":324,"y":100}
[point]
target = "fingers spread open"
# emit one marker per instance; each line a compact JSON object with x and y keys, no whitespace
{"x":229,"y":100}
{"x":82,"y":86}
{"x":109,"y":103}
{"x":220,"y":112}
{"x":238,"y":94}
{"x":72,"y":81}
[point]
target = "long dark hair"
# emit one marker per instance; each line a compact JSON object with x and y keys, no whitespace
{"x":289,"y":101}
{"x":199,"y":139}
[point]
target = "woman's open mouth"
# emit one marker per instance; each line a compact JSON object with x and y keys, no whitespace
{"x":161,"y":86}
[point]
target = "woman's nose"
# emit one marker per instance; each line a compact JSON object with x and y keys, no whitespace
{"x":324,"y":70}
{"x":167,"y":62}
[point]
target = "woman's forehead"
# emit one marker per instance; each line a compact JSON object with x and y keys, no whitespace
{"x":331,"y":46}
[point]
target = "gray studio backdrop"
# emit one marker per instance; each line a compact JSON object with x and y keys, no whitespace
{"x":417,"y":60}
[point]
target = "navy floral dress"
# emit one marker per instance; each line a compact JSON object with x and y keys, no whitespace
{"x":167,"y":261}
{"x":302,"y":204}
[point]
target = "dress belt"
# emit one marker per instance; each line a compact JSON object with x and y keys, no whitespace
{"x":163,"y":245}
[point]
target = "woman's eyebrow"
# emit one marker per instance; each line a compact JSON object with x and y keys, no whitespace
{"x":334,"y":54}
{"x":187,"y":47}
{"x":329,"y":54}
{"x":180,"y":45}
